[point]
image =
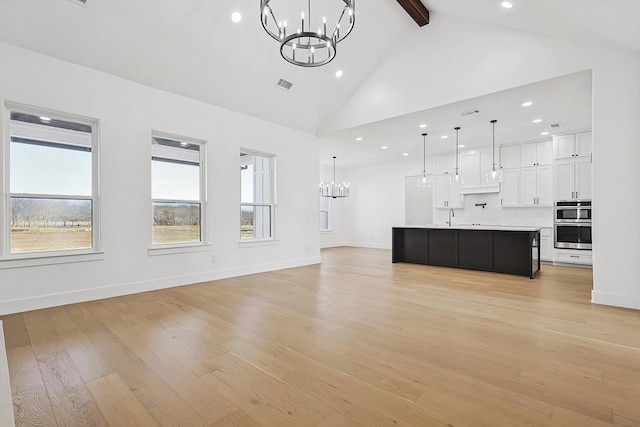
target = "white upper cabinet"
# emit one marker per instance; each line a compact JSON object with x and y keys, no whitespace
{"x":509,"y":156}
{"x":444,"y":164}
{"x":470,"y":168}
{"x":536,"y":154}
{"x":572,"y":145}
{"x":509,"y":187}
{"x":572,"y":168}
{"x":446,"y":194}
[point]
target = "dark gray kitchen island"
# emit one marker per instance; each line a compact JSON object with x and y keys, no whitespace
{"x":511,"y":250}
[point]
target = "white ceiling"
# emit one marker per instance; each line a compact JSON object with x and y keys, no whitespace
{"x":191,"y":47}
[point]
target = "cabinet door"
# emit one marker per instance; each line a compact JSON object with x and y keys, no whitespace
{"x":454,"y":197}
{"x":470,"y":167}
{"x":546,"y":244}
{"x":582,"y":176}
{"x":528,"y":155}
{"x":509,"y":156}
{"x":440,"y":184}
{"x":544,"y":153}
{"x":564,"y":146}
{"x":528,"y":186}
{"x":583,"y":144}
{"x":564,"y":179}
{"x":544,"y":186}
{"x":509,"y":187}
{"x":440,"y":165}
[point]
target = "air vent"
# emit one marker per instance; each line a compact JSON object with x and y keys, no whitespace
{"x":79,"y":2}
{"x":470,"y":113}
{"x":284,"y":85}
{"x":555,"y":125}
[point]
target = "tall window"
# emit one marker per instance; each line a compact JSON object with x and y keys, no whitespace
{"x":177,"y":189}
{"x":325,"y":209}
{"x":52,"y":182}
{"x":257,"y":199}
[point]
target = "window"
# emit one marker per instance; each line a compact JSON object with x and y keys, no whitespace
{"x":53,"y":191}
{"x":257,"y":199}
{"x":325,"y":209}
{"x":177,"y":189}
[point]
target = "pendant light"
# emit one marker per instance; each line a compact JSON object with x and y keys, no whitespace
{"x":493,"y":175}
{"x":457,"y":178}
{"x":335,"y":190}
{"x":425,"y":181}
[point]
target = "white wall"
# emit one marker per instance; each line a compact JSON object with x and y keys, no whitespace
{"x":128,"y":112}
{"x":452,"y":59}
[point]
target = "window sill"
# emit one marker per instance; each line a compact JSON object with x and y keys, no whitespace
{"x":325,"y":231}
{"x":258,"y":242}
{"x":35,"y":260}
{"x":179,"y":249}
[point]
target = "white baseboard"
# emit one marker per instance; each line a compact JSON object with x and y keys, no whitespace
{"x":369,"y":245}
{"x":53,"y":300}
{"x":6,"y":404}
{"x":617,"y":300}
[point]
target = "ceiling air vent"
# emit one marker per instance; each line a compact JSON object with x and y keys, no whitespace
{"x":470,"y":113}
{"x":554,"y":125}
{"x":80,"y":2}
{"x":284,"y":85}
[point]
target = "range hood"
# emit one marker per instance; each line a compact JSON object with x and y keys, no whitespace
{"x":480,"y":189}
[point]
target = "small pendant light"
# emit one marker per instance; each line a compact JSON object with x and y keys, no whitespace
{"x":425,"y":181}
{"x":457,"y":178}
{"x":493,"y":175}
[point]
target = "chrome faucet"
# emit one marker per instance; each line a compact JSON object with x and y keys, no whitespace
{"x":451,"y":214}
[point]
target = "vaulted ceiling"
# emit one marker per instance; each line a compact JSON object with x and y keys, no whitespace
{"x":192,"y":48}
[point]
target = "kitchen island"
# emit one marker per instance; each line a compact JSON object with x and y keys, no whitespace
{"x":511,"y":250}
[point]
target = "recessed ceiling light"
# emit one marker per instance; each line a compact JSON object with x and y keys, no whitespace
{"x":45,"y":119}
{"x":405,"y":154}
{"x":423,"y":126}
{"x":527,"y":104}
{"x":339,"y":73}
{"x":359,"y":138}
{"x":444,"y":137}
{"x":384,"y":147}
{"x":236,"y":17}
{"x":544,"y":133}
{"x":537,"y":120}
{"x":461,"y":146}
{"x":506,"y":5}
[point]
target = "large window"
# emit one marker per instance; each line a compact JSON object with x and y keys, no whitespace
{"x":257,"y":198}
{"x":325,"y":213}
{"x":177,"y":189}
{"x":53,"y":191}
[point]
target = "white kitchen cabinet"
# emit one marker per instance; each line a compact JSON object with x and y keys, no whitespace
{"x":536,"y":154}
{"x":470,"y":168}
{"x":509,"y":156}
{"x":444,"y":164}
{"x":535,"y":186}
{"x":573,"y":256}
{"x":572,"y":145}
{"x":573,"y":178}
{"x":509,"y":187}
{"x":446,"y":193}
{"x":546,"y":244}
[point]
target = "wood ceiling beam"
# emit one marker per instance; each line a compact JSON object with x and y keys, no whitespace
{"x":416,"y":10}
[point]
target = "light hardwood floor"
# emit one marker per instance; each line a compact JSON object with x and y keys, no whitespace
{"x":356,"y":341}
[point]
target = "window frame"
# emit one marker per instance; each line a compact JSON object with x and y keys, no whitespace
{"x":272,"y":202}
{"x":58,"y":256}
{"x":182,"y":247}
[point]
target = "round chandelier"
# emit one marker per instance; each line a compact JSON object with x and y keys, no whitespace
{"x":302,"y":45}
{"x":334,"y":189}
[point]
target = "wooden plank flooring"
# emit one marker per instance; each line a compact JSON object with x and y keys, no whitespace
{"x":356,"y":341}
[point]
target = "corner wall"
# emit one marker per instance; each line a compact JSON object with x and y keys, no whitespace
{"x":128,"y":112}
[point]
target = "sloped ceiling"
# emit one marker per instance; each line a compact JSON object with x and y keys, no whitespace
{"x":191,"y":47}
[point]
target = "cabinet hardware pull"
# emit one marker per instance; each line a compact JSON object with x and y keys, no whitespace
{"x":576,"y":194}
{"x":574,"y":256}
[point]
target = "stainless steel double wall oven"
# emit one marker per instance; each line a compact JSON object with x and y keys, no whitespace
{"x":572,"y":224}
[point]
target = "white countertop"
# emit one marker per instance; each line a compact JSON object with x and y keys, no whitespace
{"x":471,"y":227}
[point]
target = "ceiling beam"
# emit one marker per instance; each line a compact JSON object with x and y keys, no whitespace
{"x":416,"y":10}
